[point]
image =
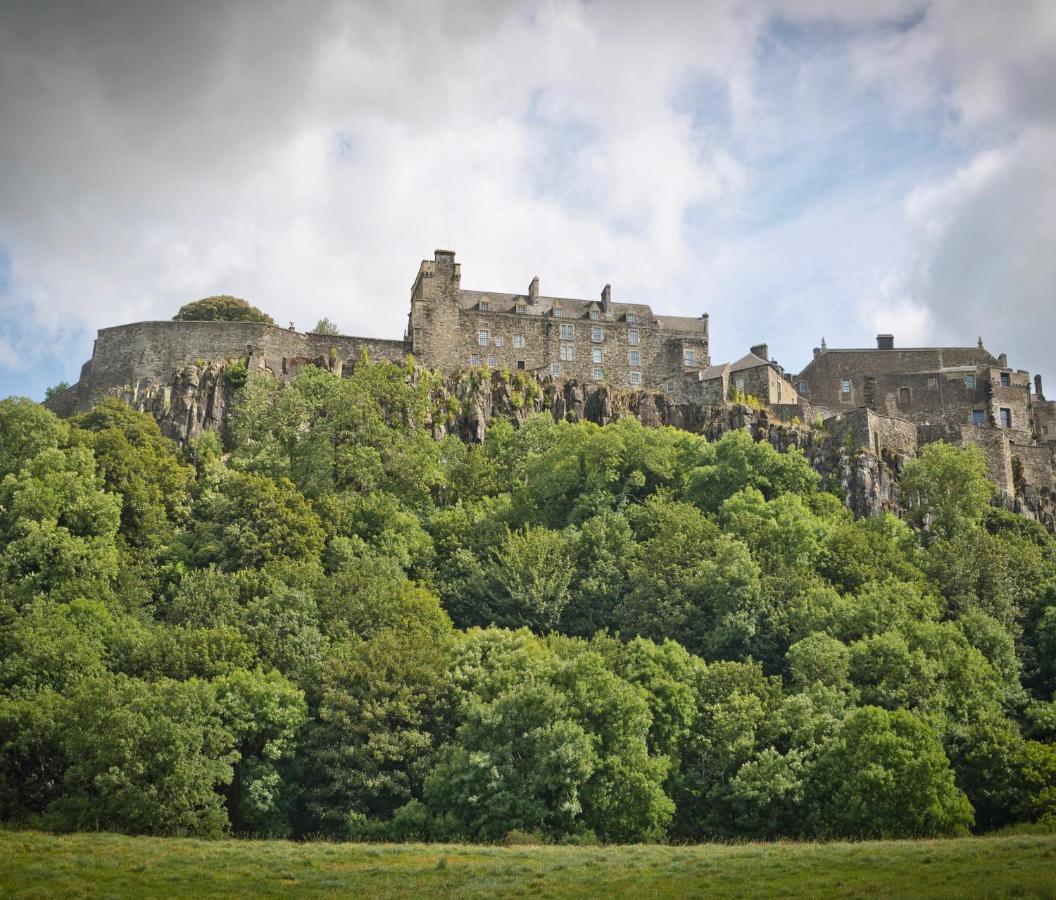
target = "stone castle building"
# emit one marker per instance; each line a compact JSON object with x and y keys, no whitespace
{"x":882,"y":399}
{"x":623,"y":344}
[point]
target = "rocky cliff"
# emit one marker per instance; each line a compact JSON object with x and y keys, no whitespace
{"x":198,"y":398}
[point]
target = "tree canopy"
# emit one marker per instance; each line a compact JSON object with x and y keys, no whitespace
{"x":221,"y":308}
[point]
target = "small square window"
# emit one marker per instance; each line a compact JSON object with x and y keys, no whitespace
{"x":635,"y":358}
{"x":978,"y":417}
{"x":689,"y":358}
{"x":555,"y":368}
{"x":593,"y":315}
{"x":568,"y":332}
{"x":634,"y":338}
{"x":520,"y":364}
{"x":845,"y":386}
{"x":597,"y":334}
{"x":969,"y":382}
{"x":669,"y":387}
{"x":518,"y":341}
{"x":482,"y":337}
{"x":557,"y":311}
{"x":474,"y":360}
{"x":485,"y":306}
{"x":521,"y":309}
{"x":1006,"y":379}
{"x":498,"y":341}
{"x":804,"y":387}
{"x":597,"y":374}
{"x":595,"y":356}
{"x":636,"y":377}
{"x":632,"y":319}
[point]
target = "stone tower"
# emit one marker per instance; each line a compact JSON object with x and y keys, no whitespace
{"x":433,"y":322}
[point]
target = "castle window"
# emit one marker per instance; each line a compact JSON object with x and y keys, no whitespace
{"x":474,"y":360}
{"x":521,"y":309}
{"x":804,"y":387}
{"x":1006,"y":379}
{"x":520,"y":364}
{"x":595,"y":356}
{"x":740,"y":385}
{"x":482,"y":337}
{"x":1006,"y":418}
{"x":636,"y":377}
{"x":904,"y":395}
{"x":593,"y":315}
{"x":568,"y":352}
{"x":557,"y":311}
{"x":669,"y":387}
{"x":597,"y":374}
{"x":969,"y":382}
{"x":978,"y":417}
{"x":933,"y":382}
{"x":634,"y":338}
{"x":1044,"y":429}
{"x":568,"y":332}
{"x":484,"y":306}
{"x":555,"y":368}
{"x":632,"y":319}
{"x":491,"y":362}
{"x":845,"y":386}
{"x":635,"y":358}
{"x":689,"y":358}
{"x":518,"y":341}
{"x":498,"y":341}
{"x":597,"y":334}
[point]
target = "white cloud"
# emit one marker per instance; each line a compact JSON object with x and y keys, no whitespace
{"x":306,"y":156}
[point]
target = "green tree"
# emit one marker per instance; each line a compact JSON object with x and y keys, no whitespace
{"x":26,"y":429}
{"x":325,"y":326}
{"x":946,"y":488}
{"x":58,"y":527}
{"x":264,"y":713}
{"x":885,"y":775}
{"x":221,"y":308}
{"x":250,"y":520}
{"x":144,"y":758}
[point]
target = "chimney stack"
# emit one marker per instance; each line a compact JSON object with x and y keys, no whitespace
{"x":1037,"y":387}
{"x":606,"y":297}
{"x":533,"y":289}
{"x":885,"y":342}
{"x":761,"y":350}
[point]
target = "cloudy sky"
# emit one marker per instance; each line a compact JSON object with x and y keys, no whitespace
{"x":796,"y":169}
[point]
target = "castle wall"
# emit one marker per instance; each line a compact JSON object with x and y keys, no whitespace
{"x":864,"y":429}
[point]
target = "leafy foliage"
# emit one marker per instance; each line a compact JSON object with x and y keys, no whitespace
{"x":335,"y":624}
{"x":221,"y":308}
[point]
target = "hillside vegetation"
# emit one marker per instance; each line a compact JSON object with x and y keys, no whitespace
{"x":38,"y":865}
{"x":337,"y":626}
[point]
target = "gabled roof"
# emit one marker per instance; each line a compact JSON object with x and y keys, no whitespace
{"x":749,"y":361}
{"x":716,"y":371}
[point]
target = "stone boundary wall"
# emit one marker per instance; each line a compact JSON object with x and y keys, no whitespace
{"x":865,"y":429}
{"x":134,"y":357}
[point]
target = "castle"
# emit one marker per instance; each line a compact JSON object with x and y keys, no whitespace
{"x":882,"y":399}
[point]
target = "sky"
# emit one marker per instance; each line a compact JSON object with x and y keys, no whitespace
{"x":797,"y":169}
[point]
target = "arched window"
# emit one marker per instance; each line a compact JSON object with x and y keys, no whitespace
{"x":904,"y":396}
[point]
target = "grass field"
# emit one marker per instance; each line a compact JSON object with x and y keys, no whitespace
{"x":103,"y":865}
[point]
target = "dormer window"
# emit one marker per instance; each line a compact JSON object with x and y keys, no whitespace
{"x":593,"y":315}
{"x":521,"y":309}
{"x":632,"y":319}
{"x":485,"y":306}
{"x":557,"y":311}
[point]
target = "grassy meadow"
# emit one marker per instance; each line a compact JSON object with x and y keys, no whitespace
{"x":33,"y":864}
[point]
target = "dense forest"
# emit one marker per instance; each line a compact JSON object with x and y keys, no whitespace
{"x":337,"y":626}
